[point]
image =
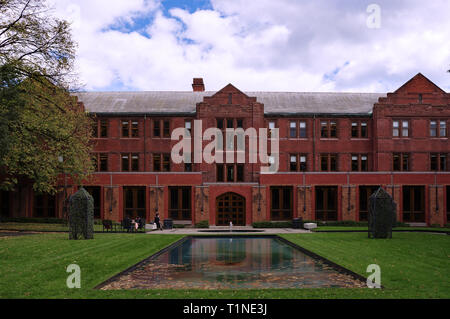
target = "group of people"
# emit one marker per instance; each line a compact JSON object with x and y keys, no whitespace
{"x":135,"y":223}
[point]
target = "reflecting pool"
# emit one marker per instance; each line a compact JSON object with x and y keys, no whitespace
{"x":232,"y":263}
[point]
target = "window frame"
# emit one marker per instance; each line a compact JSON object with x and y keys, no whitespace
{"x":401,"y":128}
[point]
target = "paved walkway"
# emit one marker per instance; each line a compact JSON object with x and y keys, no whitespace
{"x":219,"y":230}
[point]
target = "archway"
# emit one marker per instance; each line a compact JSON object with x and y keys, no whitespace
{"x":230,"y":207}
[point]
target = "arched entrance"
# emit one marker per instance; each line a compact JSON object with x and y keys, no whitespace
{"x":230,"y":207}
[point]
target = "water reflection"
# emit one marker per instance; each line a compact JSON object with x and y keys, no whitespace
{"x":239,"y":262}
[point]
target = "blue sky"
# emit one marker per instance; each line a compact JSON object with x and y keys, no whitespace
{"x":264,"y":45}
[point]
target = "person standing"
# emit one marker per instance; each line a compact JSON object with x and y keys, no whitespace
{"x":157,"y":222}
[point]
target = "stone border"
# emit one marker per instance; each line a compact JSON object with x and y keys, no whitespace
{"x":333,"y":265}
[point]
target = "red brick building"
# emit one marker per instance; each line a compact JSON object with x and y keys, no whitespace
{"x":335,"y":150}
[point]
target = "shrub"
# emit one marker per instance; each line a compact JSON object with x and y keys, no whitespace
{"x":34,"y":220}
{"x":179,"y":225}
{"x":267,"y":224}
{"x":202,"y":224}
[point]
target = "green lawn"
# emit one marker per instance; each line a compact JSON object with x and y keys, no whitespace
{"x":364,"y":228}
{"x":413,"y":265}
{"x":44,"y":227}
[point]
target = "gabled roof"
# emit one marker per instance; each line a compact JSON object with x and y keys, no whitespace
{"x":419,"y":81}
{"x":160,"y":102}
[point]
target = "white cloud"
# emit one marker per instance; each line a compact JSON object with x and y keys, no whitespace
{"x":283,"y":45}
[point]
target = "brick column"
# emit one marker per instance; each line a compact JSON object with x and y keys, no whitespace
{"x":111,"y":209}
{"x":157,"y":202}
{"x":436,"y":211}
{"x":394,"y":191}
{"x":201,"y":207}
{"x":348,"y":202}
{"x":304,"y":207}
{"x":259,"y":200}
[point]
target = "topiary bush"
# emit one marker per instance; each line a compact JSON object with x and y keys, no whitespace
{"x":81,"y":215}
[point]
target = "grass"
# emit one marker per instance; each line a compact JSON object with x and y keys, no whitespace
{"x":364,"y":228}
{"x":413,"y":265}
{"x":40,"y":227}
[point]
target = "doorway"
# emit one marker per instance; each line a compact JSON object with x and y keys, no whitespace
{"x":230,"y":207}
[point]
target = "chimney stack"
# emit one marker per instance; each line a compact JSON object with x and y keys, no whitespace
{"x":198,"y":85}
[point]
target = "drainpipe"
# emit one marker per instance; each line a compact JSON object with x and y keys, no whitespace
{"x":314,"y":142}
{"x":145,"y":143}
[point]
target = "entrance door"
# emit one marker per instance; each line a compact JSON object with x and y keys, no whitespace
{"x":230,"y":207}
{"x":414,"y":204}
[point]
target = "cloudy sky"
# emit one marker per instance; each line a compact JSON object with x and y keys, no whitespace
{"x":259,"y":45}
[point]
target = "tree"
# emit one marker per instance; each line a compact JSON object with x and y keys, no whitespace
{"x":41,"y":121}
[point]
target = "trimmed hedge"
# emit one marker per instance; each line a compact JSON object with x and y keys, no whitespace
{"x":202,"y":224}
{"x":272,"y":225}
{"x":34,"y":220}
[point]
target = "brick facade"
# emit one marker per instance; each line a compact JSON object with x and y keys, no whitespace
{"x":336,"y":194}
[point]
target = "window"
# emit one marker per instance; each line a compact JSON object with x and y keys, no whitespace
{"x":180,"y":203}
{"x":413,"y":204}
{"x":328,"y":129}
{"x":438,"y":128}
{"x":130,"y":129}
{"x":166,"y":163}
{"x":44,"y":205}
{"x":328,"y":162}
{"x":281,"y":202}
{"x":100,"y":162}
{"x":161,"y":162}
{"x":239,"y":173}
{"x":156,"y":128}
{"x":303,"y":166}
{"x":359,"y":129}
{"x":271,"y":128}
{"x":438,"y":162}
{"x":220,"y":124}
{"x":293,"y":129}
{"x":326,"y":203}
{"x":130,"y":162}
{"x":302,"y":127}
{"x":364,"y":194}
{"x":100,"y":129}
{"x":166,"y":128}
{"x":103,"y":128}
{"x":230,"y":173}
{"x":297,"y":162}
{"x":301,"y":132}
{"x":156,"y":162}
{"x":188,"y":162}
{"x":95,"y":191}
{"x":240,"y":123}
{"x":219,"y":173}
{"x":134,"y":202}
{"x":188,"y":127}
{"x":293,"y":163}
{"x":230,"y":123}
{"x":359,"y":163}
{"x":401,"y":162}
{"x":400,"y":128}
{"x":134,"y":129}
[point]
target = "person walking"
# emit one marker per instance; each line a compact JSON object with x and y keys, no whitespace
{"x":157,"y":222}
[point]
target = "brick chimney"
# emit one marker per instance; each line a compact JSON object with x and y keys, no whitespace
{"x":198,"y":85}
